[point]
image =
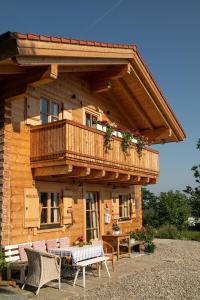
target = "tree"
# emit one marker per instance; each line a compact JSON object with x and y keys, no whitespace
{"x":167,"y":208}
{"x":194,"y":200}
{"x":173,"y":209}
{"x":149,"y":208}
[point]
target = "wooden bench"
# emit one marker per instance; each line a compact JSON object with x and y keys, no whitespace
{"x":12,"y":258}
{"x":11,"y":253}
{"x":84,"y":263}
{"x":137,"y":245}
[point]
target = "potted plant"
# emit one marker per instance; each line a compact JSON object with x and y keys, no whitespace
{"x":3,"y":263}
{"x":115,"y":228}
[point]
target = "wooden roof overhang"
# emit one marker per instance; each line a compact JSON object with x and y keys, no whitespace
{"x":118,"y":73}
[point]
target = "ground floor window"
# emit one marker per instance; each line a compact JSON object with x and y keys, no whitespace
{"x":50,"y":211}
{"x":124,"y":207}
{"x":92,"y":215}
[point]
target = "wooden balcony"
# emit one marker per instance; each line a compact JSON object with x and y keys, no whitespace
{"x":67,"y":150}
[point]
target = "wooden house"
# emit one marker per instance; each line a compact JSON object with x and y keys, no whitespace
{"x":56,"y":177}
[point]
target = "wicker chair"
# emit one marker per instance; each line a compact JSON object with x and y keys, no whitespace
{"x":107,"y":248}
{"x":42,"y":268}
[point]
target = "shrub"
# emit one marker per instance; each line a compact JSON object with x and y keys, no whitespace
{"x":146,"y":234}
{"x":149,"y":247}
{"x":167,"y":232}
{"x":190,"y":235}
{"x":3,"y":263}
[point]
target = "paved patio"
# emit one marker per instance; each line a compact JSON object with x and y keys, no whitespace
{"x":172,"y":272}
{"x":123,"y":267}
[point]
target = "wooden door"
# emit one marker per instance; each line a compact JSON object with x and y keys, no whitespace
{"x":92,"y":215}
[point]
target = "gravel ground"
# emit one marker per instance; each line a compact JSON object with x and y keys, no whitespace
{"x":172,"y":272}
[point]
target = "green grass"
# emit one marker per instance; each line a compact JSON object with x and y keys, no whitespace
{"x":190,"y":235}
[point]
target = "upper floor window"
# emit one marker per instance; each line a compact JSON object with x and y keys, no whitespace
{"x":124,"y":207}
{"x":49,"y":111}
{"x":90,"y":120}
{"x":50,"y":211}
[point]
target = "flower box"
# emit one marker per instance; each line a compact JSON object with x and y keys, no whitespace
{"x":134,"y":141}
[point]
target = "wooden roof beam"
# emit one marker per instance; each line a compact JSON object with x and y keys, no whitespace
{"x":110,"y":176}
{"x":79,"y":172}
{"x":162,"y":109}
{"x":121,"y":109}
{"x":54,"y":170}
{"x":12,"y":69}
{"x":68,"y":61}
{"x":144,"y":180}
{"x":157,"y":133}
{"x":95,"y":174}
{"x":122,"y":178}
{"x":19,"y":83}
{"x":130,"y":95}
{"x":102,"y":85}
{"x":103,"y":81}
{"x":84,"y":68}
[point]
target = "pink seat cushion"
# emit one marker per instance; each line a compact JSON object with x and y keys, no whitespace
{"x":64,"y":242}
{"x":51,"y":244}
{"x":97,"y":242}
{"x":40,"y":246}
{"x":22,"y":253}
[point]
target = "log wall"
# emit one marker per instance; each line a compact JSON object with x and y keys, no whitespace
{"x":15,"y":170}
{"x":2,"y":111}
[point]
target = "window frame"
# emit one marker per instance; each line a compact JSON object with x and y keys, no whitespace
{"x":49,"y":114}
{"x":124,"y":206}
{"x":91,"y":210}
{"x":93,"y":114}
{"x":50,"y":208}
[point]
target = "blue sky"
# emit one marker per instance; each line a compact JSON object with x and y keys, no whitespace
{"x":167,"y":34}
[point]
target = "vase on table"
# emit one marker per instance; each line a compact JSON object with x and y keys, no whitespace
{"x":81,"y":244}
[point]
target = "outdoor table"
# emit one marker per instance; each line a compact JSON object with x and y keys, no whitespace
{"x":79,"y":253}
{"x":114,"y":240}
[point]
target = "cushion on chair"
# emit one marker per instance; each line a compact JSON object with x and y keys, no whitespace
{"x":22,"y":253}
{"x":51,"y":244}
{"x":97,"y":242}
{"x":39,"y":245}
{"x":64,"y":242}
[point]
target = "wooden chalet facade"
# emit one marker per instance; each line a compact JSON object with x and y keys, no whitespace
{"x":56,"y":179}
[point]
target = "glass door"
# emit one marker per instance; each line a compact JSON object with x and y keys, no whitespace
{"x":92,"y":215}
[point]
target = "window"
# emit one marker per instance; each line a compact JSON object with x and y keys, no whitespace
{"x":44,"y":111}
{"x":49,"y":111}
{"x":50,"y":212}
{"x":90,"y":120}
{"x":124,"y":207}
{"x":92,"y":216}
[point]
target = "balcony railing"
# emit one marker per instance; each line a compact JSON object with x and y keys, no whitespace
{"x":75,"y":142}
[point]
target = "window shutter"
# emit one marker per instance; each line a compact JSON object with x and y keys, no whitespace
{"x":33,"y":110}
{"x":133,"y":209}
{"x":67,"y":207}
{"x":32,"y":209}
{"x":115,"y":206}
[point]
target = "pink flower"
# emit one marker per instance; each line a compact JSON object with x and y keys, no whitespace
{"x":104,"y":123}
{"x":80,"y":238}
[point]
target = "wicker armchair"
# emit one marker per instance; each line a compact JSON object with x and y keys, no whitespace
{"x":42,"y":268}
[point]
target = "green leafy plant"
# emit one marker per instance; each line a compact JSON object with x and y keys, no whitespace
{"x":108,"y":137}
{"x":126,"y":141}
{"x":115,"y":227}
{"x":146,"y":234}
{"x":167,"y":232}
{"x":127,"y":136}
{"x":149,"y":247}
{"x":108,"y":134}
{"x":3,"y":263}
